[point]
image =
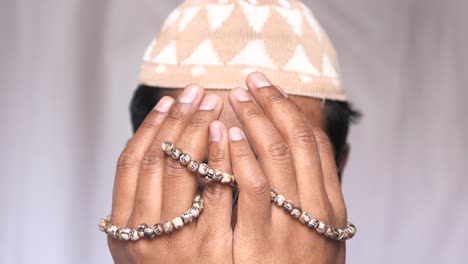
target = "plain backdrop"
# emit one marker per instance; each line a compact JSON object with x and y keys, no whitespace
{"x":68,"y":69}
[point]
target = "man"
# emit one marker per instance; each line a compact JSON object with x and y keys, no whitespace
{"x":275,"y":135}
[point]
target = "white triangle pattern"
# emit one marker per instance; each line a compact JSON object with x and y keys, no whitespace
{"x":168,"y":55}
{"x":300,"y":62}
{"x":256,"y":15}
{"x":171,"y":19}
{"x":313,"y":23}
{"x":149,"y":50}
{"x":189,"y":14}
{"x":218,"y":14}
{"x":205,"y":54}
{"x":294,"y":18}
{"x":328,"y":69}
{"x":254,"y":54}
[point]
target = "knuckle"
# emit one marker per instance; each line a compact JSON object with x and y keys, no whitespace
{"x":151,"y":158}
{"x":149,"y":123}
{"x":177,"y":117}
{"x":276,"y":97}
{"x":258,"y":185}
{"x":253,"y":112}
{"x":242,"y":153}
{"x":303,"y":135}
{"x":278,"y":150}
{"x":199,"y":120}
{"x":128,"y":159}
{"x":217,"y":155}
{"x":138,"y":252}
{"x":215,"y":194}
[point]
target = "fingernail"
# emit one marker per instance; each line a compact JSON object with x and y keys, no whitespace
{"x":216,"y":134}
{"x":189,"y":95}
{"x":242,"y":95}
{"x":259,"y":80}
{"x":209,"y":102}
{"x":164,"y":105}
{"x":236,"y":134}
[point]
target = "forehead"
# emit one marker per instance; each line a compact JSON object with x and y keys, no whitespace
{"x":311,"y":107}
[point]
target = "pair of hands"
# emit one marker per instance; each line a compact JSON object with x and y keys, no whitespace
{"x":293,"y":157}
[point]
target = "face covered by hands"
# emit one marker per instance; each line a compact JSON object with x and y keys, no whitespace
{"x":276,"y":147}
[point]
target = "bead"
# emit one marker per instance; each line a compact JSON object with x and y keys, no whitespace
{"x":340,"y":234}
{"x":175,"y":153}
{"x":168,"y":227}
{"x":210,"y":174}
{"x":141,"y":230}
{"x":288,"y":206}
{"x":279,"y":200}
{"x":195,"y":212}
{"x":218,"y":175}
{"x":149,"y":233}
{"x":196,"y":205}
{"x":158,"y":229}
{"x":185,"y":159}
{"x":350,"y":231}
{"x":177,"y":222}
{"x":111,"y":230}
{"x":197,"y":199}
{"x":187,"y":217}
{"x":117,"y":233}
{"x":313,"y":223}
{"x":167,"y":147}
{"x":330,"y":232}
{"x":305,"y":217}
{"x":134,"y":235}
{"x":125,"y":234}
{"x":226,"y":178}
{"x":193,"y":165}
{"x":273,"y":194}
{"x":296,"y":213}
{"x":103,"y":225}
{"x":322,"y":227}
{"x":203,"y":169}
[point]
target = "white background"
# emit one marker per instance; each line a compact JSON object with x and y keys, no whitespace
{"x":68,"y":69}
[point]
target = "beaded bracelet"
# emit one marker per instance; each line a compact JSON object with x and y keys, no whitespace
{"x":305,"y":218}
{"x":203,"y":170}
{"x":148,"y":232}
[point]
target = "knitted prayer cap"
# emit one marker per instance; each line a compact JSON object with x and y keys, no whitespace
{"x":217,"y":43}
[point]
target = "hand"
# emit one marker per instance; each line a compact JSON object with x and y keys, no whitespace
{"x":297,"y":160}
{"x":152,"y":188}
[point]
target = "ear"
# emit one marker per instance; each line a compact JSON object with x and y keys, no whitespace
{"x":343,"y":159}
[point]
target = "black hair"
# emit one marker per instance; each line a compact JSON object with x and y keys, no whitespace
{"x":338,"y":115}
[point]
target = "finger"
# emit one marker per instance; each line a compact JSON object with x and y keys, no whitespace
{"x":217,"y":196}
{"x":180,"y":184}
{"x":273,"y":152}
{"x":331,"y":179}
{"x":290,"y":122}
{"x":148,"y":198}
{"x":254,"y":209}
{"x":129,"y":162}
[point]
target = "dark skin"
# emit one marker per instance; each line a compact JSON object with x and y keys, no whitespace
{"x":273,"y":141}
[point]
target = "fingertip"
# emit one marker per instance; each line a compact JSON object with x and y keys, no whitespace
{"x":236,"y":134}
{"x":217,"y":131}
{"x":165,"y":104}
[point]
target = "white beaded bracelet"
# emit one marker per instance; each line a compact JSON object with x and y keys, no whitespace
{"x":305,"y":218}
{"x":148,"y":232}
{"x":144,"y":231}
{"x":203,"y":169}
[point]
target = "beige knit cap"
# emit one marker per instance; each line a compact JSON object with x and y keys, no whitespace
{"x":217,"y":43}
